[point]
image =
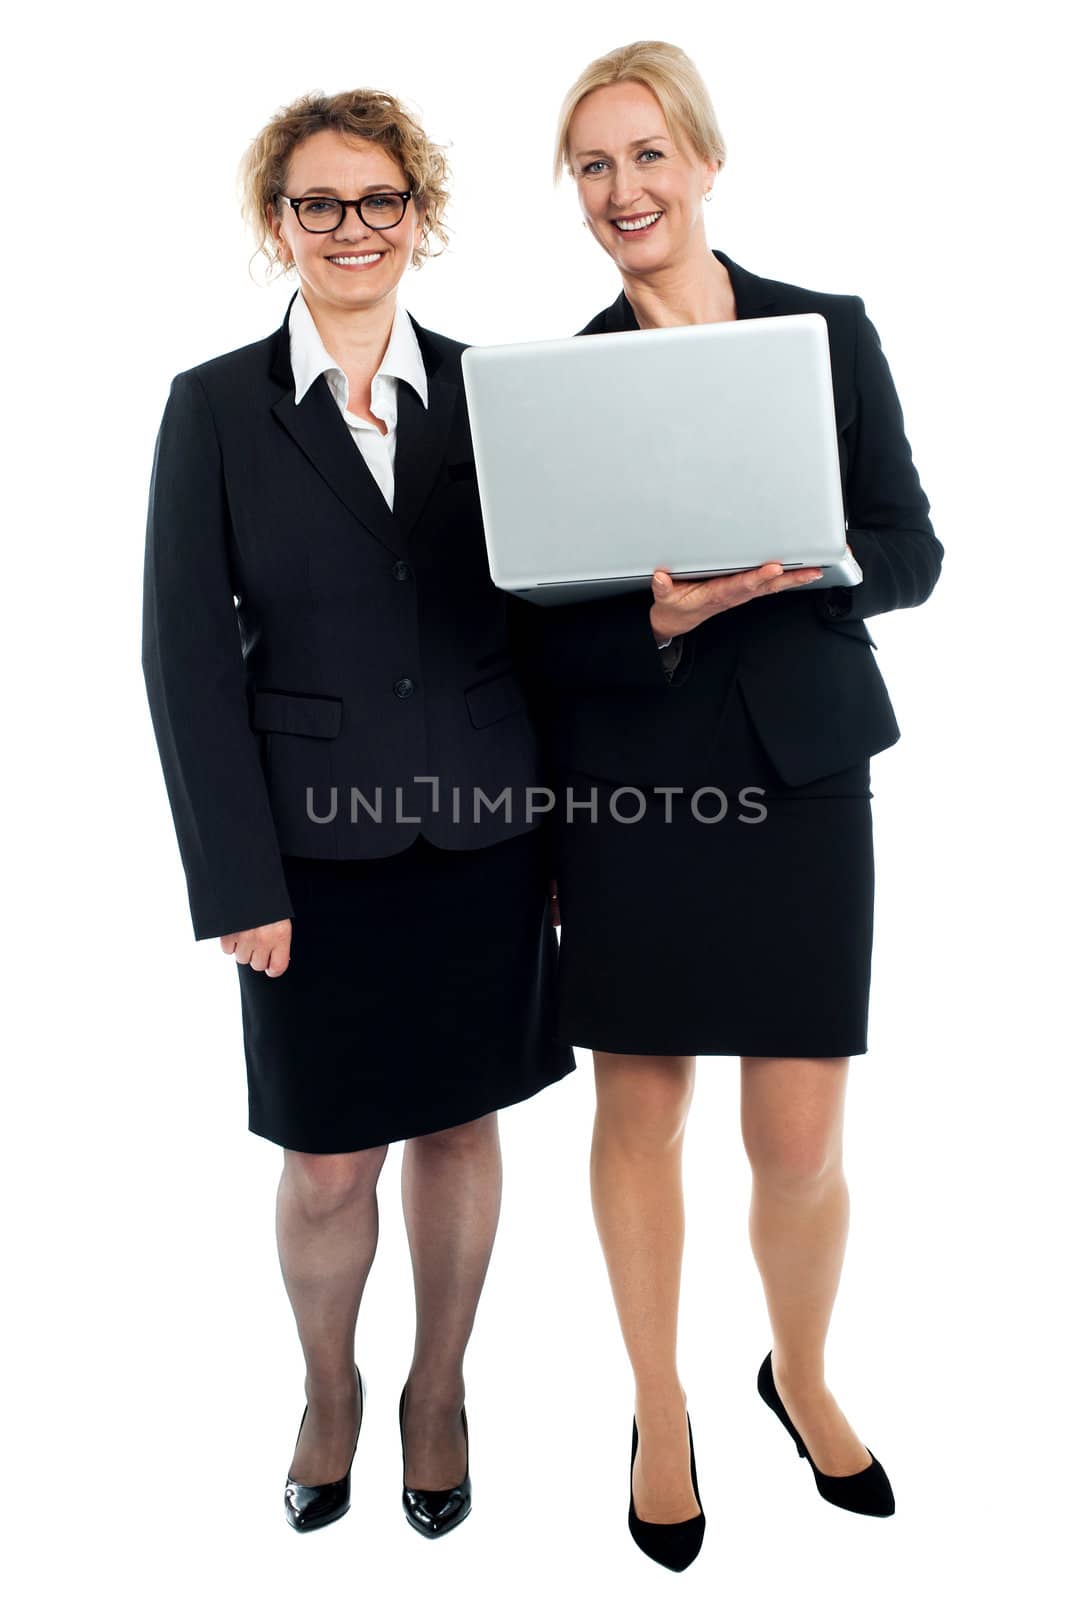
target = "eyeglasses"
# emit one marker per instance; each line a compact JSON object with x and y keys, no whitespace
{"x":320,"y":213}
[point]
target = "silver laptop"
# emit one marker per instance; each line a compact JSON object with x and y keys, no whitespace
{"x":704,"y":450}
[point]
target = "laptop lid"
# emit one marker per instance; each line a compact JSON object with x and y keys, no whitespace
{"x":703,"y":449}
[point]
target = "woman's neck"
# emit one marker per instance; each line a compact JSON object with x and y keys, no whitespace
{"x":356,"y":338}
{"x":698,"y":289}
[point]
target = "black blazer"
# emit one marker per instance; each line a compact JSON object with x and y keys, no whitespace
{"x":804,"y":659}
{"x":297,"y":633}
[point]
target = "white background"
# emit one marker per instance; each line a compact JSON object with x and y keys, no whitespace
{"x":153,"y":1380}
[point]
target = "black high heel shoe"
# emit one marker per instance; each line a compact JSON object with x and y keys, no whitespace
{"x":868,"y":1492}
{"x":312,"y":1505}
{"x":671,"y":1544}
{"x":436,"y":1511}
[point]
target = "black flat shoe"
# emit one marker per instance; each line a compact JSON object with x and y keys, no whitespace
{"x":312,"y":1505}
{"x":671,"y":1544}
{"x":436,"y":1511}
{"x":868,"y":1492}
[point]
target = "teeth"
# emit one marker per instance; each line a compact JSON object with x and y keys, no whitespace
{"x":643,"y":222}
{"x":351,"y":261}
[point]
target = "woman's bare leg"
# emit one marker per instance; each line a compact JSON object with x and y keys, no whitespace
{"x":638,"y":1203}
{"x":792,"y":1121}
{"x":452,"y":1189}
{"x":326,"y":1238}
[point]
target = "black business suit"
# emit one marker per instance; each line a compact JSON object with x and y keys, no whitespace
{"x":782,"y":692}
{"x":302,"y":641}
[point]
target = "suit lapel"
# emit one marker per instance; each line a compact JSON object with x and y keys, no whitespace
{"x":754,"y":295}
{"x":321,"y":433}
{"x":422,"y":434}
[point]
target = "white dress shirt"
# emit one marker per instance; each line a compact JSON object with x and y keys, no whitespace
{"x":402,"y":360}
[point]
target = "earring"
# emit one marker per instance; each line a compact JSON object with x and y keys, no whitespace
{"x":708,"y":193}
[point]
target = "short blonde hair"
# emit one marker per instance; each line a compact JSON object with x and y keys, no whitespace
{"x":672,"y":78}
{"x":359,"y":114}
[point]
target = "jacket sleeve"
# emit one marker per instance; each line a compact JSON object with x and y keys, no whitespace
{"x":593,"y":644}
{"x":887,"y":510}
{"x":195,"y":677}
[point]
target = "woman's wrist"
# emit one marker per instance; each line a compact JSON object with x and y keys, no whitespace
{"x":661,"y":636}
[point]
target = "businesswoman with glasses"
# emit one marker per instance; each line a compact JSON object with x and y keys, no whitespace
{"x":698,"y":926}
{"x":328,"y":671}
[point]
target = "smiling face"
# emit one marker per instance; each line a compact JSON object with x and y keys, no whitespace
{"x":641,"y":193}
{"x":355,"y":266}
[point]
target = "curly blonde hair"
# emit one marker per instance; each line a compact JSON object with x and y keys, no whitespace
{"x":672,"y":78}
{"x":360,"y":114}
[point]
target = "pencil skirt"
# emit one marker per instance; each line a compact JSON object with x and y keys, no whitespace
{"x":733,"y":920}
{"x":421,"y":993}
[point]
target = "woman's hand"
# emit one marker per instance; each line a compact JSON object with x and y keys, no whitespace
{"x":266,"y":948}
{"x":679,"y":607}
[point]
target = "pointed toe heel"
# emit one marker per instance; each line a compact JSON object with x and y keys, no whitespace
{"x":672,"y":1544}
{"x":313,"y":1505}
{"x":434,"y":1512}
{"x":867,"y":1492}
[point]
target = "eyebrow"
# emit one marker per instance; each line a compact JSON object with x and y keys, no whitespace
{"x":651,"y":137}
{"x":327,"y":188}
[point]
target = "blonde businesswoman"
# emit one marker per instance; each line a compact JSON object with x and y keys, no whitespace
{"x":686,"y":930}
{"x":324,"y":741}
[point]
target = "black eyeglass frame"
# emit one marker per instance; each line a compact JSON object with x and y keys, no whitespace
{"x":393,"y":194}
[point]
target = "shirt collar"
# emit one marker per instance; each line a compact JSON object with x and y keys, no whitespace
{"x":402,"y":359}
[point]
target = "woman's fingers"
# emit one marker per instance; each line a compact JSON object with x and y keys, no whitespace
{"x":266,"y":949}
{"x":792,"y":580}
{"x":681,"y":606}
{"x":279,"y":954}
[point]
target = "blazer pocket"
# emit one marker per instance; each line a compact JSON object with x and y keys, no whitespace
{"x":312,"y":716}
{"x":458,"y":470}
{"x":853,"y":627}
{"x":490,"y":702}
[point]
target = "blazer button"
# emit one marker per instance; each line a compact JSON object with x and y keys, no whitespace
{"x":403,"y":687}
{"x":401,"y":571}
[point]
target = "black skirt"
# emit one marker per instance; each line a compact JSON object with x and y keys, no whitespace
{"x":745,"y":935}
{"x":421,"y":993}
